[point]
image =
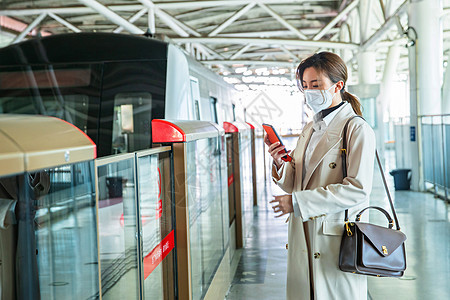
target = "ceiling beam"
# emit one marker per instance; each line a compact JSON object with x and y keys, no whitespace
{"x":64,"y":22}
{"x":221,"y":3}
{"x":282,"y":21}
{"x":335,"y":20}
{"x":391,"y":21}
{"x":166,"y":18}
{"x":133,"y":19}
{"x":241,"y":51}
{"x":269,"y":42}
{"x":288,"y":52}
{"x":274,"y":33}
{"x":275,"y":63}
{"x":112,"y":16}
{"x":151,"y":20}
{"x":176,"y":25}
{"x":30,"y":27}
{"x":135,"y":7}
{"x":209,"y":51}
{"x":230,"y":20}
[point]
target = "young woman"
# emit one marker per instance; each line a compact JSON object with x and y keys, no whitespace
{"x":318,"y":195}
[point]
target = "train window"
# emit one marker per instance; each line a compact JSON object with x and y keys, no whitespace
{"x":195,"y":93}
{"x":131,"y":122}
{"x":45,"y":78}
{"x":234,"y":112}
{"x":72,"y":108}
{"x":68,"y":92}
{"x":213,"y":102}
{"x":197,"y":110}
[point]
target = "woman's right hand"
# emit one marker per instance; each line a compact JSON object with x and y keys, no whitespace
{"x":276,"y":151}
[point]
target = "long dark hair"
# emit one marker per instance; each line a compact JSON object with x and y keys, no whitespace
{"x":332,"y":66}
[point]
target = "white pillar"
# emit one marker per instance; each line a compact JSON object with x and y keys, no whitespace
{"x":390,"y":68}
{"x":425,"y":74}
{"x":367,"y":75}
{"x":367,"y":68}
{"x":385,"y":96}
{"x":446,"y":91}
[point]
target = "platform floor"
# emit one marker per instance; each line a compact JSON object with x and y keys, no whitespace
{"x":261,"y":269}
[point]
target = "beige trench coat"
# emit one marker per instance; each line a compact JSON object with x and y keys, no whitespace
{"x":322,"y":197}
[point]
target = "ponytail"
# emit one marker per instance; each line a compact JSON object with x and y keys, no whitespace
{"x":353,"y":100}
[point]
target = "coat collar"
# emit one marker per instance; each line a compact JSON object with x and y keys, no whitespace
{"x":329,"y":140}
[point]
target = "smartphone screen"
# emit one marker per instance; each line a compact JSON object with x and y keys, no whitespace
{"x":274,"y":137}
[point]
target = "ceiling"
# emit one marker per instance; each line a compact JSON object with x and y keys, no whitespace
{"x":268,"y":37}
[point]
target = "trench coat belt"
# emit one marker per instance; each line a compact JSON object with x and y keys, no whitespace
{"x":320,"y":216}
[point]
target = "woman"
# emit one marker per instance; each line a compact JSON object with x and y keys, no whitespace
{"x":318,"y":193}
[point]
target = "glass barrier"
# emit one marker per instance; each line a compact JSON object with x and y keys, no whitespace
{"x":54,"y":227}
{"x":245,"y":158}
{"x":435,"y":152}
{"x":208,"y":210}
{"x":157,"y":223}
{"x":230,"y":173}
{"x":118,"y":229}
{"x":136,"y":225}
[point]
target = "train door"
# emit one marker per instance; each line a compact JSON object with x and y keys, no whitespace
{"x":133,"y":94}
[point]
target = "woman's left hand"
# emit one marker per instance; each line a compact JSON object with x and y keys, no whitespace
{"x":282,"y":204}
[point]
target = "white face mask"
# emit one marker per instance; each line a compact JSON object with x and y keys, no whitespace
{"x":319,"y":100}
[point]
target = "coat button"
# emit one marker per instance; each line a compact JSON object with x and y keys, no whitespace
{"x":287,"y":246}
{"x":317,"y":255}
{"x":332,"y":165}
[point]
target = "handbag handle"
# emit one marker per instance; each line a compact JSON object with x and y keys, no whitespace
{"x":344,"y":171}
{"x":391,"y":222}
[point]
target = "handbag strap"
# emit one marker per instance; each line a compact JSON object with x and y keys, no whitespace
{"x":344,"y":170}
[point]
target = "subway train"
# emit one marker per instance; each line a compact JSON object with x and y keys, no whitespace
{"x":111,"y":86}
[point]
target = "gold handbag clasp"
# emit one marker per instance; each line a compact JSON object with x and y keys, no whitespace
{"x":347,"y":227}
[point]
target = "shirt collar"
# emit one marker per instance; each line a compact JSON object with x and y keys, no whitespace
{"x":329,"y":114}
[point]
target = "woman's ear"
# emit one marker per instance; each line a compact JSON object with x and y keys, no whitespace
{"x":339,"y":86}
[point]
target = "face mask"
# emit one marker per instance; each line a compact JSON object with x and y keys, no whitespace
{"x":319,"y":99}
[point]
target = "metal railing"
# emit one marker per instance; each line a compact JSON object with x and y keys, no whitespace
{"x":436,"y":153}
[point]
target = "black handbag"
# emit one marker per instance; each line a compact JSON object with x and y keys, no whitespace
{"x":370,"y":249}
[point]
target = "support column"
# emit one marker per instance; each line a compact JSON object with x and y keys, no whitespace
{"x":446,"y":91}
{"x":425,"y":64}
{"x":385,"y":96}
{"x":390,"y":68}
{"x":367,"y":67}
{"x":367,"y":80}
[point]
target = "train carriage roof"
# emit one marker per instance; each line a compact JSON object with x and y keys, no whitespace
{"x":82,"y":48}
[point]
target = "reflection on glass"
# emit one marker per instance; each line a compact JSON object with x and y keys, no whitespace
{"x":68,"y":92}
{"x":206,"y":211}
{"x":117,"y":230}
{"x":245,"y":158}
{"x":157,"y":228}
{"x":65,"y":231}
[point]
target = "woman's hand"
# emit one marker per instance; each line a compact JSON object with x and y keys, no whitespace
{"x":282,"y":204}
{"x":276,"y":151}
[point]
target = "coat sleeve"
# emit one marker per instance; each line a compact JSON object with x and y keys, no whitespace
{"x":354,"y":189}
{"x":284,"y":177}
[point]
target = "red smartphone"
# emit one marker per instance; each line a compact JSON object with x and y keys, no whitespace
{"x":274,"y":137}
